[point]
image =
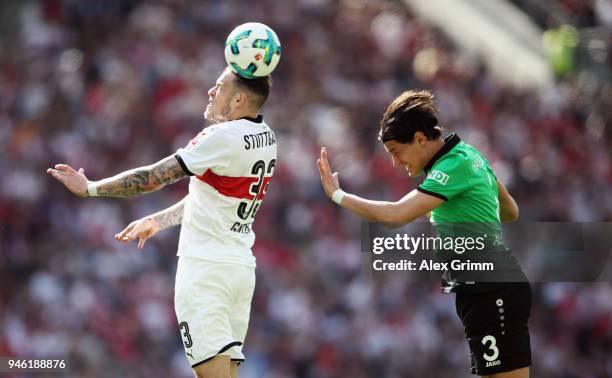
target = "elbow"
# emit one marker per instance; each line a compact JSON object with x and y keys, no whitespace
{"x":150,"y":187}
{"x":387,"y":213}
{"x":515,"y":212}
{"x":394,"y":219}
{"x":512,"y":215}
{"x":376,"y":218}
{"x":384,"y":217}
{"x":156,"y":186}
{"x":512,"y":218}
{"x":515,"y":215}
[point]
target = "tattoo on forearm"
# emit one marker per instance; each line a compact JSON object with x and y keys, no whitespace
{"x":171,"y":216}
{"x":142,"y":180}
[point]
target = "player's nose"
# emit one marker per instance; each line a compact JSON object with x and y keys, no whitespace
{"x":396,"y":162}
{"x":212,"y":92}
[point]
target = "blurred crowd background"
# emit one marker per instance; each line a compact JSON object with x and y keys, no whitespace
{"x":111,"y":85}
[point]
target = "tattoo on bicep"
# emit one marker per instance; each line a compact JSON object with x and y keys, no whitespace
{"x":167,"y":171}
{"x":142,"y":180}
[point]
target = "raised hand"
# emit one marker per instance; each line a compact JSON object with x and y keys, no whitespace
{"x":75,"y":181}
{"x":143,"y":229}
{"x":328,"y":179}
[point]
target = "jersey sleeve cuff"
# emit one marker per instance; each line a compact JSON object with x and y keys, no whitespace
{"x":437,"y":195}
{"x":182,"y":163}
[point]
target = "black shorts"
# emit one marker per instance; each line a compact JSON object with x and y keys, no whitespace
{"x":496,"y":328}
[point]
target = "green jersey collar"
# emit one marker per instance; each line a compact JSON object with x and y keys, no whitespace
{"x":449,"y":142}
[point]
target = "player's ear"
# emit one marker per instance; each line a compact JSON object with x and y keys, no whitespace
{"x":419,"y":138}
{"x":240,"y":98}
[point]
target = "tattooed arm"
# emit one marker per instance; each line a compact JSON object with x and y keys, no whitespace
{"x":170,"y":216}
{"x":148,"y":226}
{"x":133,"y":182}
{"x":142,"y":180}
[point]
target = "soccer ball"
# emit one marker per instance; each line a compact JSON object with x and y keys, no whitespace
{"x":252,"y":50}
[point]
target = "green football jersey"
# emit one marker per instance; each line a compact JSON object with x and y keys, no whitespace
{"x":461,"y":176}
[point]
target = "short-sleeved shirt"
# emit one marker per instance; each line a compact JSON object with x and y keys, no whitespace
{"x":231,"y":165}
{"x":461,"y":176}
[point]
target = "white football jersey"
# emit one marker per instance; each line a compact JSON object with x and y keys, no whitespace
{"x":231,"y":164}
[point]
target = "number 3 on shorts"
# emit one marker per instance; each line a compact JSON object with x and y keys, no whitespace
{"x":492,"y":347}
{"x":186,"y":336}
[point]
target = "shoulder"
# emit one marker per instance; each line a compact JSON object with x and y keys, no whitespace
{"x":456,"y":166}
{"x":456,"y":159}
{"x":221,"y":132}
{"x":463,"y":156}
{"x":465,"y":163}
{"x":214,"y":137}
{"x":218,"y":128}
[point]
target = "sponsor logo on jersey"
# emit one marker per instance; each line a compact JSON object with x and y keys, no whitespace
{"x":493,"y":363}
{"x":438,"y":176}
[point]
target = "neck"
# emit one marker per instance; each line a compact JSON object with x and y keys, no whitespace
{"x":246,"y":113}
{"x":434,"y":147}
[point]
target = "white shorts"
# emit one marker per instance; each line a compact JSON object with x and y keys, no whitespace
{"x":212,"y":303}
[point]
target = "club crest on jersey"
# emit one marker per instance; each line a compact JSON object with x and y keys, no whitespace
{"x":195,"y":140}
{"x":438,"y":176}
{"x":477,"y":164}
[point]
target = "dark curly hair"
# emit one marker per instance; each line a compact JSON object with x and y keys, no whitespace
{"x":410,"y":112}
